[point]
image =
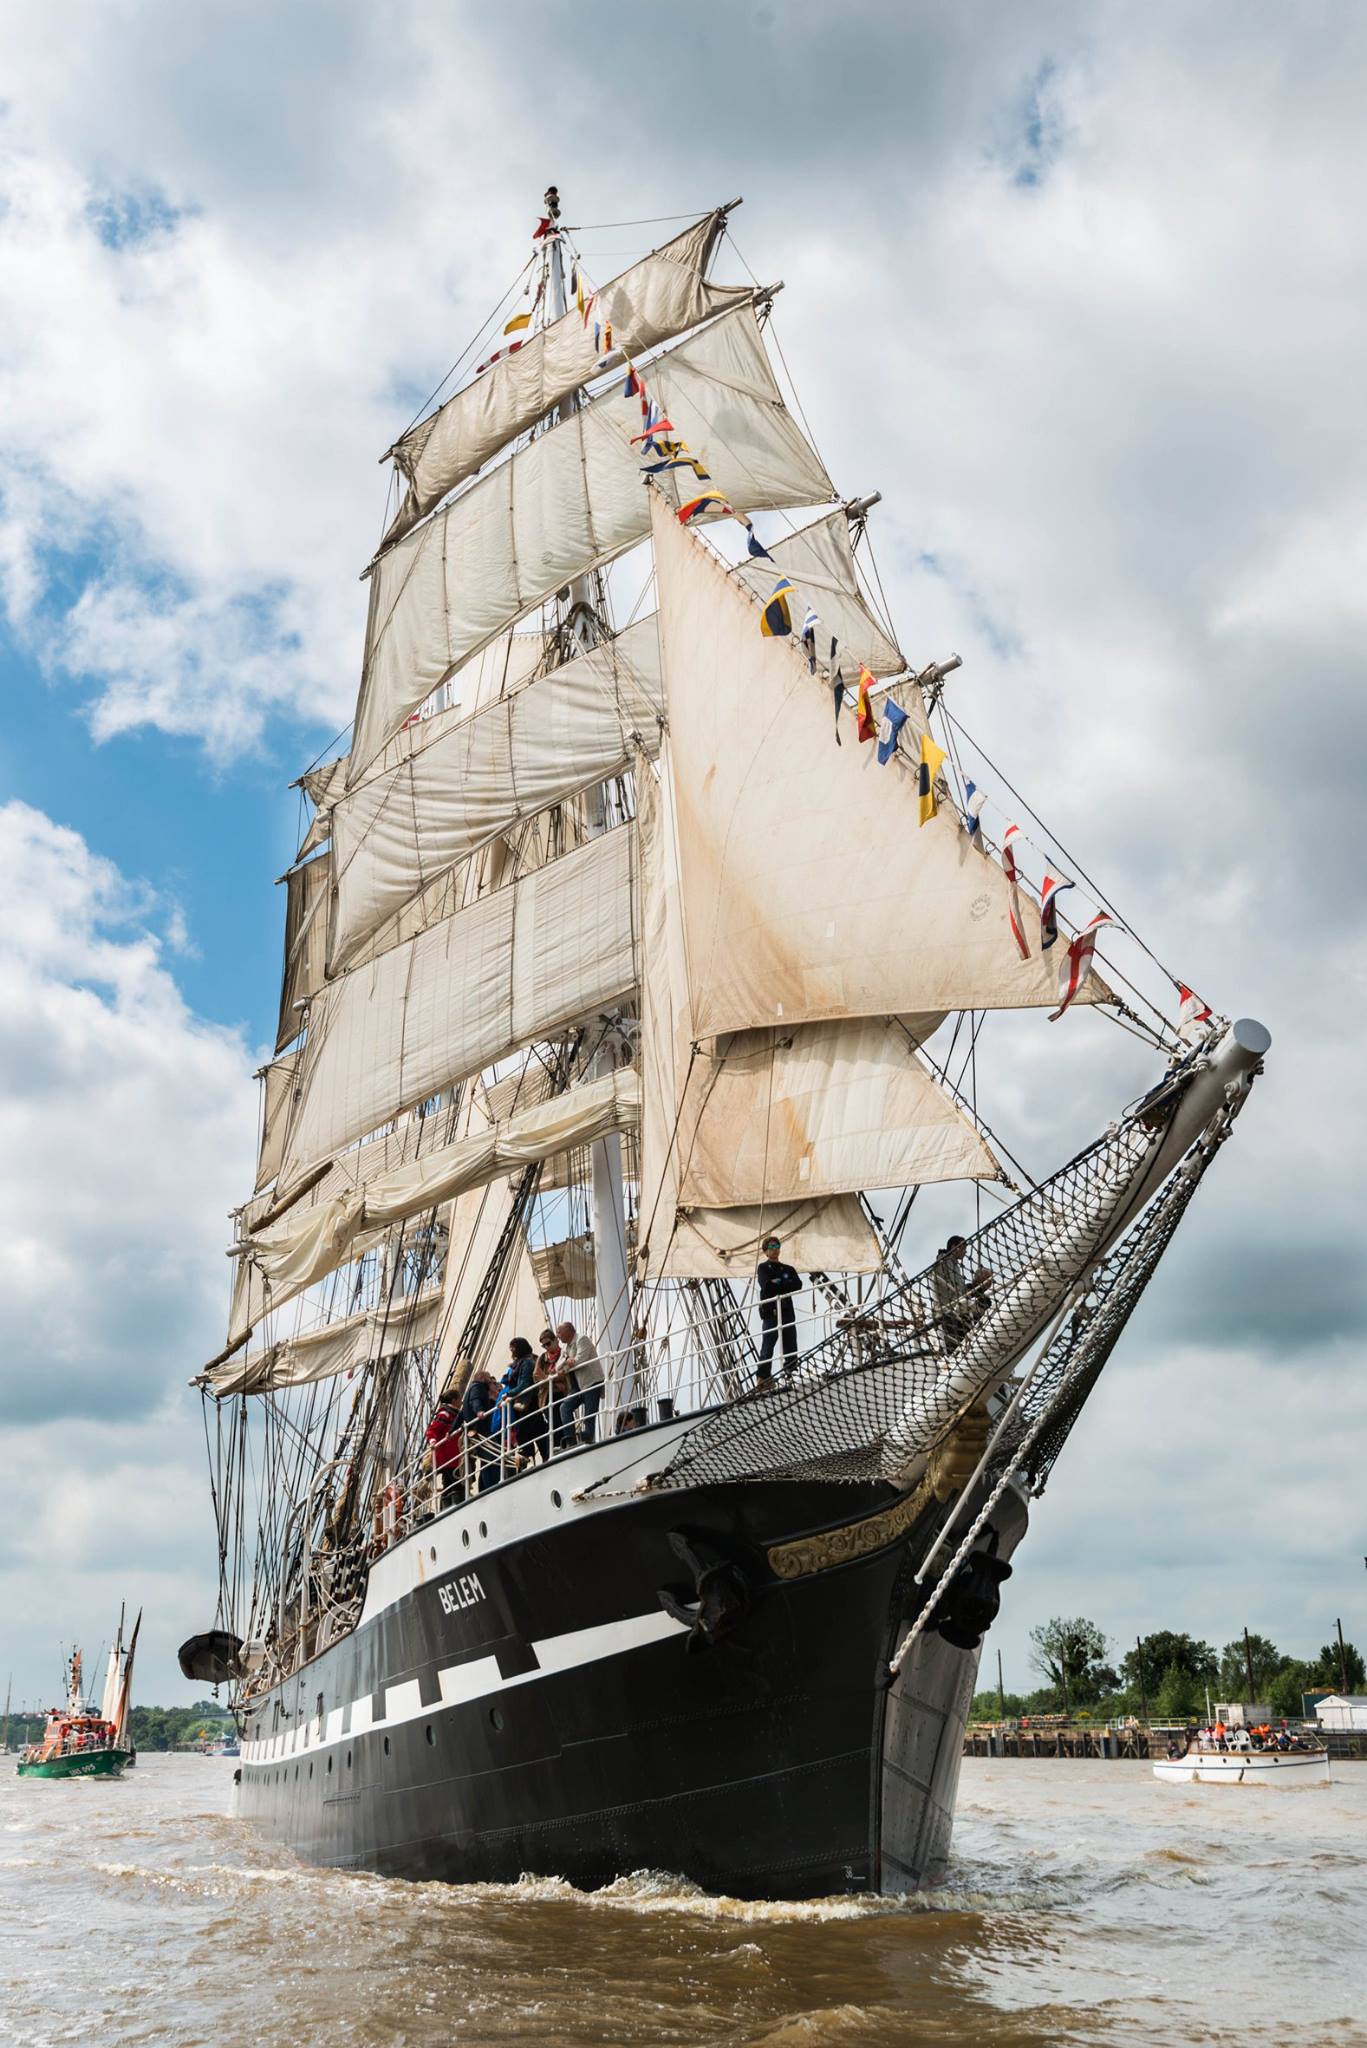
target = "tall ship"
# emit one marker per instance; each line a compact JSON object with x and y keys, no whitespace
{"x":612,"y":1470}
{"x":79,"y":1739}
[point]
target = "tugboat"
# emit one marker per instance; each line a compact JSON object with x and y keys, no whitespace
{"x":79,"y":1742}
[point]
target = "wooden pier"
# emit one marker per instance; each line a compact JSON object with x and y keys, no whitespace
{"x":1130,"y":1740}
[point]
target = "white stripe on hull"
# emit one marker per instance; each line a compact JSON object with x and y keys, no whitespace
{"x":478,"y":1678}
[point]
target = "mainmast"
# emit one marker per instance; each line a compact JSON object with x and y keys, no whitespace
{"x":581,"y":625}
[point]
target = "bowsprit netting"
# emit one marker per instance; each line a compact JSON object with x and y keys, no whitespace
{"x":894,"y":1379}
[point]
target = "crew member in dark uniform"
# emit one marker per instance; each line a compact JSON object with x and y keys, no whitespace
{"x":777,"y":1286}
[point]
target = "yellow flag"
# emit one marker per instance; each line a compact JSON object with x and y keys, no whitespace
{"x":518,"y":320}
{"x":932,"y":761}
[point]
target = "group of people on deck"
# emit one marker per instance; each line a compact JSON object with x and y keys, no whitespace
{"x":549,"y":1400}
{"x":546,"y":1401}
{"x":1217,"y":1736}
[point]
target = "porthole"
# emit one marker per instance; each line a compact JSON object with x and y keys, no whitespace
{"x":484,"y":1528}
{"x":329,"y":1766}
{"x":348,"y":1759}
{"x":465,"y":1538}
{"x":431,"y":1738}
{"x":310,"y":1766}
{"x":432,"y":1553}
{"x":556,"y":1501}
{"x":296,"y":1774}
{"x":386,"y":1745}
{"x":495,"y":1717}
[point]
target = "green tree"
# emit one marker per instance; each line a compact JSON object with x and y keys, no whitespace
{"x":1164,"y":1648}
{"x":1069,"y":1652}
{"x":1328,"y":1672}
{"x":1284,"y":1692}
{"x":1267,"y":1661}
{"x":1179,"y":1695}
{"x":986,"y":1707}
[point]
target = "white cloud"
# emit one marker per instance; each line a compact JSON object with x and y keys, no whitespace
{"x":126,"y":1130}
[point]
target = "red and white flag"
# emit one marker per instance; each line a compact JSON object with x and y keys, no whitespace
{"x":1013,"y":897}
{"x":1193,"y":1013}
{"x":1075,"y":968}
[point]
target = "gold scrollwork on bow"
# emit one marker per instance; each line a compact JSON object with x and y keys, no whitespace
{"x":818,"y":1553}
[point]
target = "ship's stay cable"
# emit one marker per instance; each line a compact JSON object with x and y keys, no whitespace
{"x":778,"y":347}
{"x":468,"y":350}
{"x":1074,"y":864}
{"x":654,"y":220}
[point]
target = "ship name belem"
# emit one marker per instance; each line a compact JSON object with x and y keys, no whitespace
{"x":466,"y":1591}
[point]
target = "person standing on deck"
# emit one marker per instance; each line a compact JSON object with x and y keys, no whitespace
{"x":778,"y":1283}
{"x":580,"y":1359}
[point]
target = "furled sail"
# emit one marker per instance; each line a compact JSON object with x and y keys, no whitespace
{"x":572,"y":499}
{"x":807,"y":889}
{"x":821,"y":1233}
{"x":344,"y":1346}
{"x":460,"y":784}
{"x":307,"y":1244}
{"x":656,"y":299}
{"x":566,"y":1268}
{"x":507,"y":969}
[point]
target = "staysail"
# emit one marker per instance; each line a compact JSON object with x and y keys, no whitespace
{"x":784,"y":920}
{"x":652,"y":302}
{"x":572,"y":499}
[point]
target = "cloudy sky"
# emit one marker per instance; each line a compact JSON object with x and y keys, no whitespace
{"x":1080,"y":289}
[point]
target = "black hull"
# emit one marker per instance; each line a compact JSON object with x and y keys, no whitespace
{"x":535,"y":1709}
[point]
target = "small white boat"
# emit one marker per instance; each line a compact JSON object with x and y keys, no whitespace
{"x":1209,"y":1766}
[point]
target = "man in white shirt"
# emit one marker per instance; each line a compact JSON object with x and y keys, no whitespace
{"x":581,"y":1356}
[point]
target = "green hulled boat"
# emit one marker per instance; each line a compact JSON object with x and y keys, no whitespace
{"x":105,"y":1762}
{"x":77,"y":1740}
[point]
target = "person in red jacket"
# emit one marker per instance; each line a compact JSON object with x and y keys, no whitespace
{"x":444,"y":1435}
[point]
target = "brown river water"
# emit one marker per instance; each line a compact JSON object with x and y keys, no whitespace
{"x":1088,"y":1904}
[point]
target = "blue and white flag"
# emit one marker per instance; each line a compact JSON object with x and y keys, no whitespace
{"x":893,"y":719}
{"x":974,"y":799}
{"x":809,"y":626}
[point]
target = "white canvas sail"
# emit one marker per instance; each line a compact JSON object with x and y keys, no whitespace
{"x":786,"y":918}
{"x":656,"y":299}
{"x":822,"y":1109}
{"x":675,"y":1239}
{"x":462,"y":783}
{"x":308,"y":1243}
{"x":308,"y":888}
{"x":276,"y":1094}
{"x":820,"y":561}
{"x":572,"y":499}
{"x":343,"y":1346}
{"x":509,"y":968}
